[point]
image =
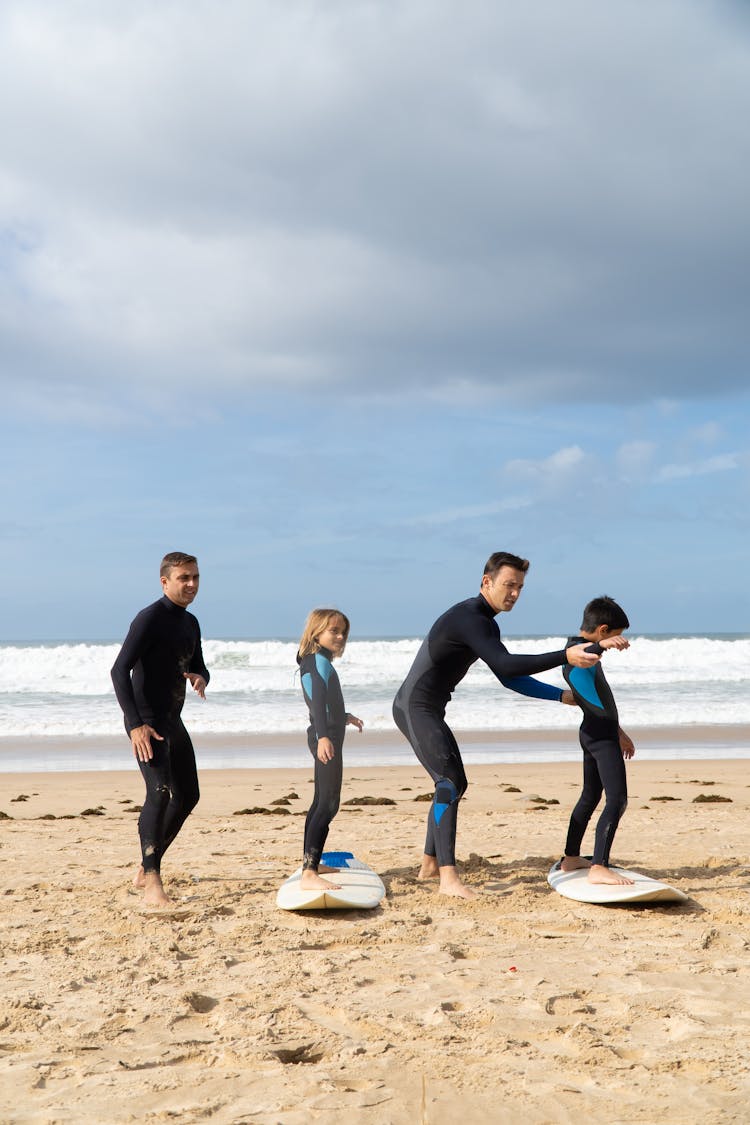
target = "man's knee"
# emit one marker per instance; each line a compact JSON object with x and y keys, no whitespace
{"x":447,"y":793}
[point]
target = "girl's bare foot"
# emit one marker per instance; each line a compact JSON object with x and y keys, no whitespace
{"x":139,"y":879}
{"x":606,"y":875}
{"x":154,"y":893}
{"x":311,"y":881}
{"x":574,"y":863}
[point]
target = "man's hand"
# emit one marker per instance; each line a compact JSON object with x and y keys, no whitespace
{"x":199,"y":684}
{"x":353,"y":721}
{"x":615,"y":642}
{"x":140,"y":738}
{"x":579,"y":657}
{"x":325,"y":750}
{"x":569,"y":698}
{"x":626,"y":744}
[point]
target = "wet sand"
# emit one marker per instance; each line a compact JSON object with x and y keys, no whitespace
{"x":518,"y":1006}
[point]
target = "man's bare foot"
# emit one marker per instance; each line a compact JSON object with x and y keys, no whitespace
{"x":429,"y":868}
{"x":154,"y":894}
{"x":574,"y":863}
{"x":324,"y":869}
{"x":450,"y":884}
{"x":139,"y":879}
{"x":311,"y":881}
{"x":606,"y":875}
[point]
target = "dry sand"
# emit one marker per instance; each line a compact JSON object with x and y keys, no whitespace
{"x":521,"y":1006}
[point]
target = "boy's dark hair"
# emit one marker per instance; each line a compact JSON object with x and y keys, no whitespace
{"x":502,"y":558}
{"x":174,"y":558}
{"x":604,"y":611}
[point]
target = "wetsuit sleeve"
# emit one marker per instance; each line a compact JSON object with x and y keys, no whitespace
{"x":317,"y":690}
{"x":483,"y":638}
{"x":535,"y":689}
{"x":197,"y":663}
{"x":133,"y":647}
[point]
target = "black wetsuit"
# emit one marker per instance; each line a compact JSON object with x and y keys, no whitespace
{"x":464,"y":634}
{"x":322,"y":691}
{"x":163,"y":642}
{"x":603,"y":763}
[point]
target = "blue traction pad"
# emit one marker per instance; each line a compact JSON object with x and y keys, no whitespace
{"x":336,"y":859}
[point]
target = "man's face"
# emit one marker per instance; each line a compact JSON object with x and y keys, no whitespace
{"x":181,"y":584}
{"x":504,"y":590}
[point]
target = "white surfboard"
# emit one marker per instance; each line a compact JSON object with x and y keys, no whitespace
{"x":361,"y":887}
{"x":575,"y":885}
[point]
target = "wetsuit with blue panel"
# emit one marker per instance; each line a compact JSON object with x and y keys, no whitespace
{"x":163,"y":643}
{"x":464,"y":634}
{"x":603,"y":763}
{"x":322,"y":691}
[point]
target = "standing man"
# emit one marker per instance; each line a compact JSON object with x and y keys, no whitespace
{"x":464,"y":634}
{"x":161,"y":652}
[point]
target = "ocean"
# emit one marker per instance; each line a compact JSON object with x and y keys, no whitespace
{"x":62,"y":691}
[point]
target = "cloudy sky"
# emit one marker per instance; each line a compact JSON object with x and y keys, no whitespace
{"x":344,"y":295}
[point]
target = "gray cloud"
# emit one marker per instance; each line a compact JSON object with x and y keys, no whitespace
{"x":535,"y":200}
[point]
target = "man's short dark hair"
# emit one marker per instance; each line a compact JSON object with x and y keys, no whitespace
{"x":604,"y":611}
{"x":499,"y":559}
{"x":174,"y":558}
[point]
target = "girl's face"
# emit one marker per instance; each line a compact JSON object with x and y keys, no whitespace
{"x":333,"y":636}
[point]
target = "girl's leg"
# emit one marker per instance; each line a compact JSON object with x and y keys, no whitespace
{"x":325,"y":805}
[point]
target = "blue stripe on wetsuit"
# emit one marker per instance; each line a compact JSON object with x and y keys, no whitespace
{"x":583,"y":681}
{"x":535,"y":689}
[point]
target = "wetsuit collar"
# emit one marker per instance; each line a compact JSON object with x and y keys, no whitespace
{"x":325,"y":652}
{"x":171,"y":606}
{"x":485,"y":606}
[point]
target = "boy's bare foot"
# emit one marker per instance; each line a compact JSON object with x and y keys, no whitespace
{"x":139,"y":879}
{"x":154,"y":893}
{"x":311,"y":881}
{"x":574,"y":863}
{"x":429,"y":868}
{"x":606,"y":875}
{"x":450,"y":884}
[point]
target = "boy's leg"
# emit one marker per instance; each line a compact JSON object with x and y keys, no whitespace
{"x":582,"y":813}
{"x":612,"y":772}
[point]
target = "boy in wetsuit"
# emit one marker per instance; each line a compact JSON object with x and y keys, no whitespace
{"x":160,"y":654}
{"x":604,"y":743}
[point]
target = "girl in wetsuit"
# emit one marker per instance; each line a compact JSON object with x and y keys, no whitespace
{"x":323,"y":638}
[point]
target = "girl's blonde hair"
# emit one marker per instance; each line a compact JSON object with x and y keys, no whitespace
{"x":317,"y":620}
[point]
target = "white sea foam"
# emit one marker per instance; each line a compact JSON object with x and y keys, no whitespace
{"x":64,"y":690}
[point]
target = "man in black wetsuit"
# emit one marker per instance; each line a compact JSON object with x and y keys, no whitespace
{"x":464,"y":634}
{"x":161,"y":652}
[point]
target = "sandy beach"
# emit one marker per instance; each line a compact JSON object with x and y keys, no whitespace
{"x":519,"y":1006}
